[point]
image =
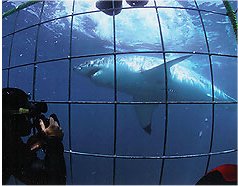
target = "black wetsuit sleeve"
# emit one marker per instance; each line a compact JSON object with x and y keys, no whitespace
{"x":48,"y":171}
{"x":54,"y":161}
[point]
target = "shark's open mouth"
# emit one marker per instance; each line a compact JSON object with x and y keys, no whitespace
{"x":86,"y":70}
{"x":92,"y":72}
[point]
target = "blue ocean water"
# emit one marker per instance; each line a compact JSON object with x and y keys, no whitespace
{"x":43,"y":44}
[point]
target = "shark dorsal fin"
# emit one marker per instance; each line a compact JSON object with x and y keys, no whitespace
{"x":173,"y":62}
{"x":158,"y":71}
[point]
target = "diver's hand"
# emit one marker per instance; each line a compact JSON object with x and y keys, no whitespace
{"x":35,"y":142}
{"x":53,"y":130}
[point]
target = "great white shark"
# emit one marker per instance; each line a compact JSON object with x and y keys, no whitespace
{"x":143,"y":78}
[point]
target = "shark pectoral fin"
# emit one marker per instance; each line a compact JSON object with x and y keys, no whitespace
{"x":144,"y":113}
{"x":158,"y":71}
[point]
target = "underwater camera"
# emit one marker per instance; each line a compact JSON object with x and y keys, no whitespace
{"x":20,"y":111}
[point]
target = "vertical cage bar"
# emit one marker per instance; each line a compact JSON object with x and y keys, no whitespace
{"x":35,"y":58}
{"x":115,"y":95}
{"x":36,"y":49}
{"x":212,"y":81}
{"x":69,"y":91}
{"x":166,"y":94}
{"x":10,"y":52}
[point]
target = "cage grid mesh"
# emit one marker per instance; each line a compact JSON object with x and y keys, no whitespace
{"x":114,"y":156}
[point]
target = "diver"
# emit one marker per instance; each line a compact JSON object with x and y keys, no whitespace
{"x":20,"y":159}
{"x":107,"y":6}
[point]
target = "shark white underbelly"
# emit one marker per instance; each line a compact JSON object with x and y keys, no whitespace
{"x":143,"y":77}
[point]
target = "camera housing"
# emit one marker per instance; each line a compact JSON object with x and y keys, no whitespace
{"x":18,"y":110}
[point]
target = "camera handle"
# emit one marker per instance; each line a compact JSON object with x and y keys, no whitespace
{"x":35,"y":123}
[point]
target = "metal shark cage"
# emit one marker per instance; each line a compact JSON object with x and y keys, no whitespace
{"x":70,"y":57}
